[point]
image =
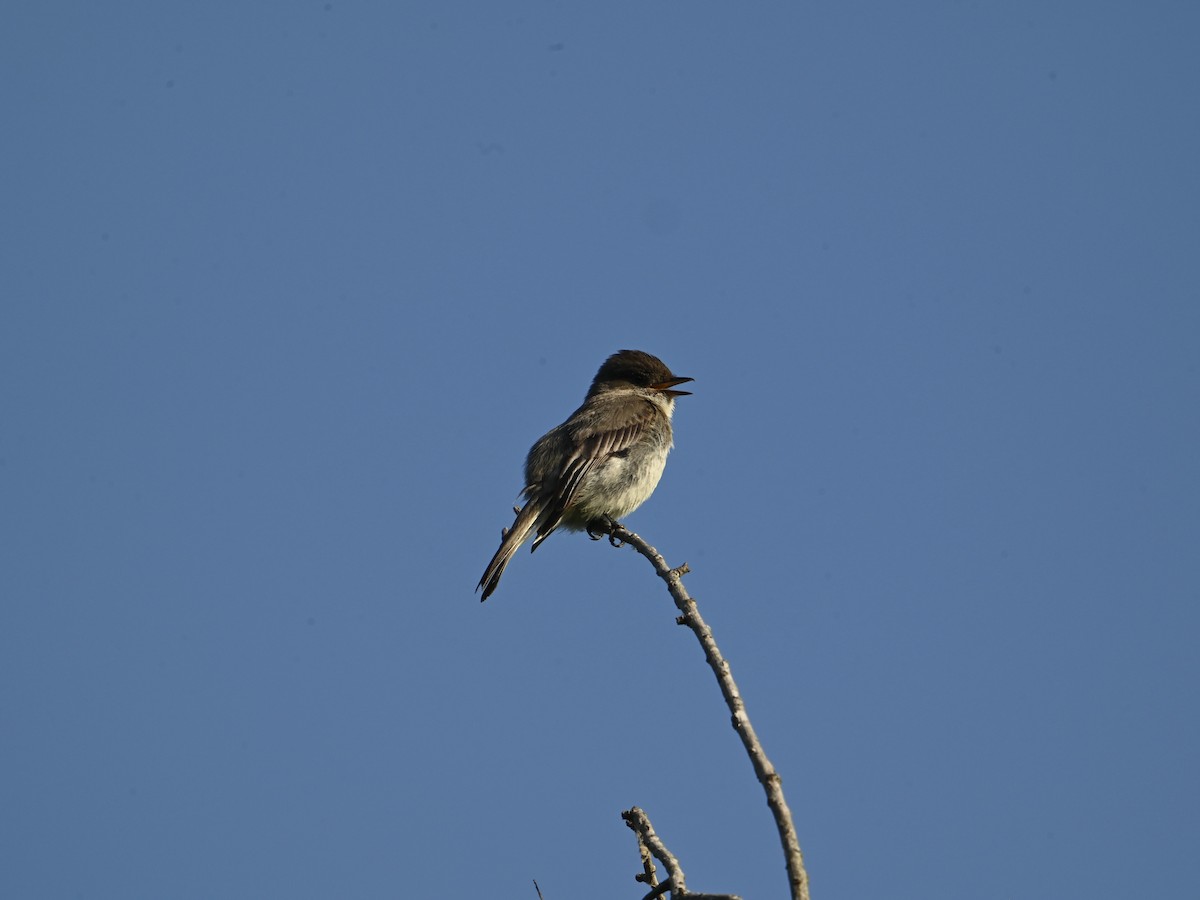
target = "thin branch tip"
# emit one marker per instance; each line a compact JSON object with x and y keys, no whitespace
{"x":765,"y":772}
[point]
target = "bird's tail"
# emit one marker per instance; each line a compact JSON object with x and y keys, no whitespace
{"x":511,"y":540}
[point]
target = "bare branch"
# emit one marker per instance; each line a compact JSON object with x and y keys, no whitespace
{"x":763,"y":770}
{"x":649,"y":873}
{"x":637,"y":819}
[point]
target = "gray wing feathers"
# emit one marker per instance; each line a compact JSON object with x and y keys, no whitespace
{"x":592,"y":444}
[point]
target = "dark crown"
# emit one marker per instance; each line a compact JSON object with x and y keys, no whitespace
{"x":634,"y":366}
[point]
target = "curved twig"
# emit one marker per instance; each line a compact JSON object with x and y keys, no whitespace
{"x":763,"y":770}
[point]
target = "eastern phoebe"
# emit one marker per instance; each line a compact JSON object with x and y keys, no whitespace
{"x":599,"y":465}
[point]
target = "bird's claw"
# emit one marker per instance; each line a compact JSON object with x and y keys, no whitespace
{"x":605,"y":525}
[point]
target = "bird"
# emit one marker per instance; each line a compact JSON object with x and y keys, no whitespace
{"x":599,"y":465}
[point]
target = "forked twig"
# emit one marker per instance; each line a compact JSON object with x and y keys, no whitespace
{"x":637,"y":819}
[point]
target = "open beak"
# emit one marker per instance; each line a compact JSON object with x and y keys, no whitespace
{"x":665,"y":387}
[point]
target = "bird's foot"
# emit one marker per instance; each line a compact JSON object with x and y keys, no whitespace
{"x":597,"y":528}
{"x":605,"y":525}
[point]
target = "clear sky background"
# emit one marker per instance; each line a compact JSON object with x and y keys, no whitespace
{"x":290,"y":288}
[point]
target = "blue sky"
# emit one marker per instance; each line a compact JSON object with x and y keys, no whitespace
{"x":291,"y":288}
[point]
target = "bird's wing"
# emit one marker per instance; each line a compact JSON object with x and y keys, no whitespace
{"x":592,"y":441}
